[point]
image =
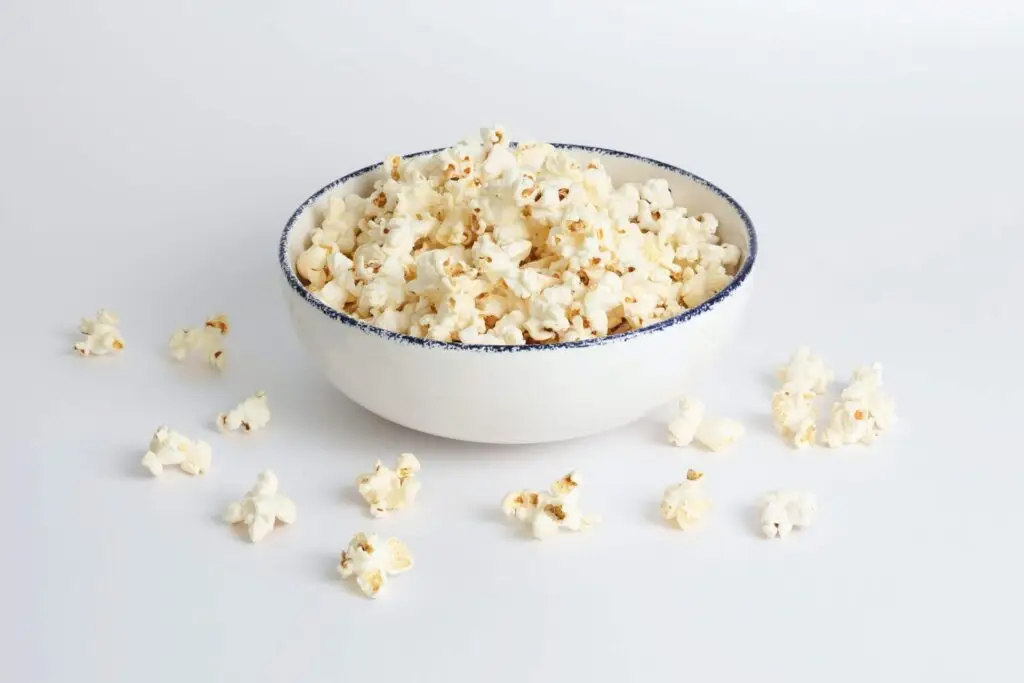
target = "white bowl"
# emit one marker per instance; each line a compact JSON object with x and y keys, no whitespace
{"x":522,"y":394}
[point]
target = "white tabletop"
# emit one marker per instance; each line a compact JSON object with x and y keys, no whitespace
{"x":149,"y":158}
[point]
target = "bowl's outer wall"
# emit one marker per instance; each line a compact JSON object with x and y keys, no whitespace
{"x":551,"y":394}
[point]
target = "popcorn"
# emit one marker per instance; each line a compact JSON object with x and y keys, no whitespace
{"x":691,"y":423}
{"x":168,"y":448}
{"x":250,"y":415}
{"x":779,"y":512}
{"x":683,"y":429}
{"x":548,"y":511}
{"x":794,"y":416}
{"x":863,"y":410}
{"x":387,"y":490}
{"x":206,"y":340}
{"x":484,"y":243}
{"x":101,"y":335}
{"x":261,"y":508}
{"x":806,"y":372}
{"x":685,"y":503}
{"x":371,"y":561}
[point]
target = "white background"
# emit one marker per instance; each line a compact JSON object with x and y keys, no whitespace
{"x":149,"y":155}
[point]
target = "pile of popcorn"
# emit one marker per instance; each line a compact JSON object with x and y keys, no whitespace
{"x":486,"y":243}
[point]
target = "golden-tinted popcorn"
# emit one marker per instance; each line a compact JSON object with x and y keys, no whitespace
{"x":387,"y":490}
{"x":685,"y":503}
{"x":250,"y":415}
{"x":371,"y":560}
{"x":101,"y":335}
{"x":207,"y":341}
{"x":548,"y":511}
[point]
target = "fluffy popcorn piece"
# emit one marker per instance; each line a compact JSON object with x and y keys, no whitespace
{"x":864,"y":410}
{"x":779,"y":512}
{"x":548,"y":511}
{"x":794,"y":415}
{"x":486,"y":243}
{"x":806,"y":372}
{"x":168,"y":448}
{"x":683,"y":429}
{"x":261,"y":508}
{"x":685,"y":503}
{"x":101,"y":335}
{"x":250,"y":415}
{"x":206,"y":340}
{"x":717,"y":433}
{"x":387,"y":490}
{"x":371,"y":560}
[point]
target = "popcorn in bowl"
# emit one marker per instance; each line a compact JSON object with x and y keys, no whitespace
{"x":486,"y":243}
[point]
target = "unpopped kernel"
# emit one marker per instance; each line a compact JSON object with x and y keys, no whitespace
{"x":250,"y":415}
{"x":208,"y":341}
{"x":168,"y":448}
{"x":387,"y":490}
{"x":101,"y":335}
{"x":864,"y":410}
{"x":485,"y":243}
{"x":685,"y":503}
{"x":548,"y":511}
{"x":261,"y":508}
{"x":779,"y":512}
{"x":371,"y":561}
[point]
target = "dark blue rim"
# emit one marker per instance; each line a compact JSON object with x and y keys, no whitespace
{"x":740,"y":277}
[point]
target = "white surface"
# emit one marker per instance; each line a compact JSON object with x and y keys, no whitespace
{"x":150,"y":157}
{"x":536,"y":395}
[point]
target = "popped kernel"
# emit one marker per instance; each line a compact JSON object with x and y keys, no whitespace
{"x":168,"y":448}
{"x":685,"y":503}
{"x":779,"y":512}
{"x":261,"y":508}
{"x":101,"y":335}
{"x":206,"y":340}
{"x":371,"y":560}
{"x":548,"y":511}
{"x":250,"y":415}
{"x":683,"y":429}
{"x":387,"y":490}
{"x":806,"y":372}
{"x":864,"y":410}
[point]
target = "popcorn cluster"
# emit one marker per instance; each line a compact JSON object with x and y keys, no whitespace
{"x":261,"y":508}
{"x":372,"y":561}
{"x":386,"y":490}
{"x":780,"y":512}
{"x":250,"y":415}
{"x":485,"y":243}
{"x":548,"y":511}
{"x":803,"y":378}
{"x":101,"y":335}
{"x":685,"y":503}
{"x":208,"y":341}
{"x":691,"y":424}
{"x":168,"y":448}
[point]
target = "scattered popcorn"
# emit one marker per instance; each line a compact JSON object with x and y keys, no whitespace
{"x":371,"y":561}
{"x":806,"y":372}
{"x":206,"y":340}
{"x":863,"y":410}
{"x":780,"y":512}
{"x":794,"y":415}
{"x":683,"y":429}
{"x":168,"y":448}
{"x":250,"y":415}
{"x":261,"y":508}
{"x":485,"y":243}
{"x":101,"y":335}
{"x":548,"y":511}
{"x":387,"y":490}
{"x":685,"y":503}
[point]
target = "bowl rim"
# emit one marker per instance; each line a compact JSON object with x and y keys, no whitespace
{"x":739,"y":278}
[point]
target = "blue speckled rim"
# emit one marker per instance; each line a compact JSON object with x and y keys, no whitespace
{"x":737,"y":281}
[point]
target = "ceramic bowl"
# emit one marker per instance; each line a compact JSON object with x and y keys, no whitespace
{"x":522,"y":394}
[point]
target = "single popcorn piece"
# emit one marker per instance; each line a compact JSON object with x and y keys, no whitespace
{"x":261,"y":508}
{"x":101,"y":335}
{"x":794,"y":415}
{"x":779,"y":512}
{"x":208,"y":341}
{"x":495,"y":244}
{"x":683,"y":429}
{"x":864,"y":410}
{"x":168,"y":448}
{"x":806,"y":372}
{"x":371,"y":560}
{"x":717,"y":433}
{"x":548,"y":511}
{"x":685,"y":503}
{"x":387,"y":490}
{"x":250,"y":415}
